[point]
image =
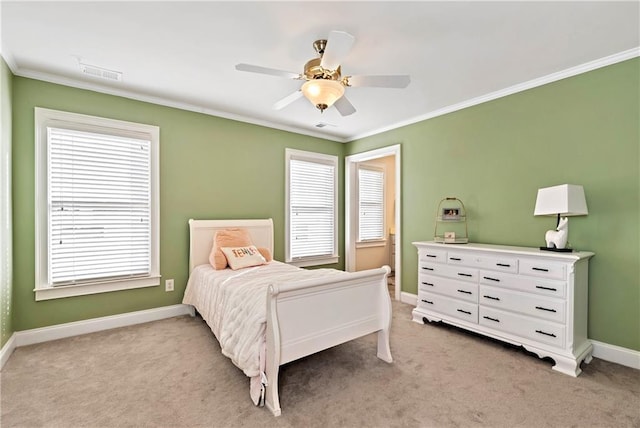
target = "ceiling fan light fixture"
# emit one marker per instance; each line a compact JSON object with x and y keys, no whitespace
{"x":322,"y":92}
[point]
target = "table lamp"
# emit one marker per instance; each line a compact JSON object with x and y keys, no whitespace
{"x":561,"y":201}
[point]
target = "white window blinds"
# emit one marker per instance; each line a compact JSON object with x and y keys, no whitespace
{"x":99,"y":206}
{"x":312,"y":215}
{"x":370,"y":204}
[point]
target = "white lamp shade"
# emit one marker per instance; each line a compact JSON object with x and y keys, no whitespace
{"x":565,"y":199}
{"x":323,"y":91}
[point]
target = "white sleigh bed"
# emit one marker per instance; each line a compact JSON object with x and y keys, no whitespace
{"x":302,"y":316}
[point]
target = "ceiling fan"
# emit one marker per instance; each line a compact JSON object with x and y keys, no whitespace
{"x":324,"y":84}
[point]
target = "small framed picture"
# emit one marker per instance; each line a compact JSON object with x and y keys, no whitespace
{"x":451,"y":213}
{"x":449,"y":237}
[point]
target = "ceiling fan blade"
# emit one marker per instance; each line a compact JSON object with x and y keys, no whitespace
{"x":271,"y":71}
{"x":288,"y":100}
{"x":344,"y":106}
{"x":397,"y":81}
{"x":338,"y":46}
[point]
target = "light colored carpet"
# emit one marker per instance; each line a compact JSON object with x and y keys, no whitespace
{"x":171,"y":373}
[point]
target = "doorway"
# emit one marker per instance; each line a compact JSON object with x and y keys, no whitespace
{"x":386,"y":251}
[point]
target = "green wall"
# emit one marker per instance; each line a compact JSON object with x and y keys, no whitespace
{"x":494,"y":156}
{"x":6,"y":283}
{"x":209,"y":168}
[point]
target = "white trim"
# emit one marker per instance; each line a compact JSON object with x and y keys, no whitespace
{"x":7,"y":350}
{"x":60,"y":331}
{"x":61,"y":291}
{"x":163,"y":101}
{"x":612,"y":353}
{"x":350,"y":208}
{"x":321,"y":158}
{"x":604,"y":351}
{"x":616,"y":354}
{"x":409,"y":298}
{"x":550,"y":78}
{"x":43,"y":118}
{"x":167,"y":102}
{"x":314,"y":261}
{"x":372,"y":243}
{"x":381,"y":241}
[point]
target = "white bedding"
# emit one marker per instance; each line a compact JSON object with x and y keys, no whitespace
{"x":233,"y":303}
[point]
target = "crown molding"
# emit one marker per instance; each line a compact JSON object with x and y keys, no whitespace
{"x":554,"y":77}
{"x":550,"y":78}
{"x":162,"y":101}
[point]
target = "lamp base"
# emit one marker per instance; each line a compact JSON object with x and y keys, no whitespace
{"x":557,"y":250}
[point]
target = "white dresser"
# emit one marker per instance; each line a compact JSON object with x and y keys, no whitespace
{"x":524,"y":296}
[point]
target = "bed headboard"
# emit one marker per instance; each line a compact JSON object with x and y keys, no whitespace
{"x":201,"y":234}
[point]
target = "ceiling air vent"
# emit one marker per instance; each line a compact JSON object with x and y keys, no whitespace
{"x":322,"y":125}
{"x":101,"y":73}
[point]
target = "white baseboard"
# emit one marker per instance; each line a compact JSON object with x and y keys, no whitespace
{"x":604,"y":351}
{"x":7,"y":350}
{"x":60,"y":331}
{"x":616,"y":354}
{"x":408,"y":298}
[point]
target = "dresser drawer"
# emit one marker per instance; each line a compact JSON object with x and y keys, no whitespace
{"x":459,"y":258}
{"x":431,"y":255}
{"x":521,"y":325}
{"x":449,"y":287}
{"x":524,"y":303}
{"x":447,"y":306}
{"x":542,"y":287}
{"x":456,"y":272}
{"x":502,"y":264}
{"x":543,"y":269}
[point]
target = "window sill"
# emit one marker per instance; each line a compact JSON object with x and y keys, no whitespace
{"x":60,"y":292}
{"x":367,"y":244}
{"x":317,"y":261}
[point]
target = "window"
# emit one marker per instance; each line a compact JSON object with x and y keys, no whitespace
{"x":97,"y":205}
{"x":311,"y":199}
{"x":370,"y":203}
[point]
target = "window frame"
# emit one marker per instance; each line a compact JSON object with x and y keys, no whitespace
{"x":45,"y":118}
{"x":360,"y":243}
{"x":292,"y":154}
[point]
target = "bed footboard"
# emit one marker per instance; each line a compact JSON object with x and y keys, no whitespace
{"x":306,"y":317}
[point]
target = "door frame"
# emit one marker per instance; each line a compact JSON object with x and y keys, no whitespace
{"x":351,"y":209}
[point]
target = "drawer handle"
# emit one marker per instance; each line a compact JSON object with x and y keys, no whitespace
{"x":540,"y":269}
{"x":464,"y":312}
{"x":503,"y":265}
{"x":427,"y":283}
{"x":491,"y":319}
{"x":545,"y":309}
{"x":491,"y":297}
{"x":426,"y":268}
{"x":546,"y":288}
{"x":426,"y":301}
{"x":545,"y":333}
{"x":491,"y":279}
{"x":432,"y":255}
{"x":465,"y":274}
{"x":465,"y":292}
{"x":455,"y":258}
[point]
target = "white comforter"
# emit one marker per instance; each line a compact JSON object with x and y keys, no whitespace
{"x":233,"y":303}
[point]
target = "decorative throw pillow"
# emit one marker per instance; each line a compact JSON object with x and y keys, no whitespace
{"x":265,"y":253}
{"x":242,"y":257}
{"x":235,"y":237}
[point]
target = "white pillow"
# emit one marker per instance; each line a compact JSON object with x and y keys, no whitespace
{"x":242,"y":257}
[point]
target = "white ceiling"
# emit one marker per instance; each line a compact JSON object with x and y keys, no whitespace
{"x":183,"y":53}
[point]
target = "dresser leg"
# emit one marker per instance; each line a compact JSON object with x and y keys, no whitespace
{"x":588,"y":355}
{"x":567,"y":366}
